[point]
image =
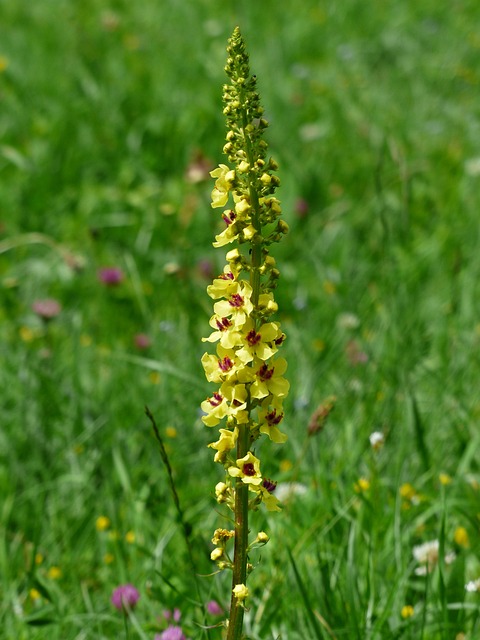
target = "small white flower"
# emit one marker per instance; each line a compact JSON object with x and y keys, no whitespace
{"x":348,"y":321}
{"x":426,"y":555}
{"x":472,"y":166}
{"x":377,"y":440}
{"x":473,"y":586}
{"x":287,"y":490}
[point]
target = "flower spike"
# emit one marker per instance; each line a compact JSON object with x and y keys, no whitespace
{"x":247,"y":403}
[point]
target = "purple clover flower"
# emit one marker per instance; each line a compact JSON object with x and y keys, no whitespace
{"x":110,"y":276}
{"x":46,"y":309}
{"x":125,"y":597}
{"x":175,"y":614}
{"x":142,"y":341}
{"x":172,"y":632}
{"x":214,"y":608}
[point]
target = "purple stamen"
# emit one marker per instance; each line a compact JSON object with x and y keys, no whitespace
{"x":229,"y":217}
{"x":264,"y":373}
{"x":226,"y":364}
{"x":223,"y":324}
{"x":272,"y":418}
{"x":216,"y":400}
{"x":253,"y":337}
{"x":236,"y":301}
{"x":269,"y":485}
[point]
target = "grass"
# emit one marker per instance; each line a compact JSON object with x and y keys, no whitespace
{"x":374,"y":121}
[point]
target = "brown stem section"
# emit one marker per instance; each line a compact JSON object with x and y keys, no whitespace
{"x":241,"y":539}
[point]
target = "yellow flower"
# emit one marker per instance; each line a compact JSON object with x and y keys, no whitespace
{"x":34,"y":594}
{"x":171,"y":432}
{"x":154,"y":377}
{"x":363,"y":484}
{"x":407,"y":611}
{"x":130,"y":537}
{"x":38,"y":558}
{"x":223,"y":286}
{"x":259,"y":344}
{"x":240,"y":592}
{"x":248,"y":469}
{"x":269,"y":500}
{"x":225,"y":177}
{"x":216,"y":554}
{"x":445,"y":479}
{"x":268,"y":379}
{"x":54,"y":573}
{"x":108,"y":558}
{"x":269,"y":418}
{"x":26,"y":334}
{"x":227,"y":442}
{"x":216,"y":408}
{"x":102,"y":523}
{"x":461,"y":537}
{"x":237,"y":306}
{"x":3,"y":63}
{"x":407,"y":491}
{"x":222,"y":367}
{"x":225,"y":332}
{"x":329,"y":287}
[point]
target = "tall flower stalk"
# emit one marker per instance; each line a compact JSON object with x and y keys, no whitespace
{"x":246,"y":368}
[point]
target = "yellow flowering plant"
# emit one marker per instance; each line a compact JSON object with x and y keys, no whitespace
{"x":247,"y":403}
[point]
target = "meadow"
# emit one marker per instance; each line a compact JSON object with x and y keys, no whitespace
{"x":110,"y":120}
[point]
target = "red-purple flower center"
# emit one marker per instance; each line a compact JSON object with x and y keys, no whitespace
{"x":264,"y":373}
{"x":216,"y":399}
{"x":269,"y":485}
{"x":272,"y":418}
{"x":279,"y":340}
{"x":253,"y":338}
{"x":229,"y":217}
{"x":226,"y":276}
{"x":248,"y":469}
{"x":226,"y":364}
{"x":236,"y":301}
{"x":223,"y":324}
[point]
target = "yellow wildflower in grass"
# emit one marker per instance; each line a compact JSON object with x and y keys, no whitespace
{"x":362,"y":485}
{"x":54,"y":573}
{"x":247,"y":403}
{"x":409,"y":493}
{"x":108,"y":558}
{"x":407,"y":611}
{"x":27,"y":334}
{"x":154,"y":377}
{"x":38,"y":558}
{"x":329,"y":287}
{"x":461,"y":537}
{"x":286,"y":465}
{"x":130,"y":537}
{"x":171,"y":432}
{"x":102,"y":523}
{"x":85,"y":340}
{"x":445,"y":479}
{"x":34,"y":595}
